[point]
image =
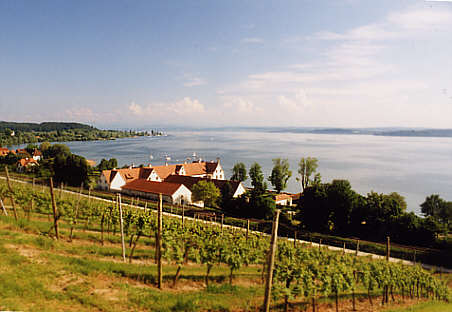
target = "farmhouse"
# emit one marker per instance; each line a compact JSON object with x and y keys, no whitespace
{"x":173,"y":193}
{"x":237,"y":187}
{"x":116,"y":178}
{"x":26,"y":163}
{"x":283,"y":199}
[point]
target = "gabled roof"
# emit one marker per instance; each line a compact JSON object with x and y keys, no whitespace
{"x":107,"y":174}
{"x":27,"y":161}
{"x":279,"y":197}
{"x":191,"y":169}
{"x":190,"y":181}
{"x":142,"y":185}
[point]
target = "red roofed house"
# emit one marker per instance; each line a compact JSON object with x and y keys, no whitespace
{"x":236,"y":186}
{"x":4,"y":151}
{"x":37,"y":155}
{"x":116,"y":178}
{"x":283,"y":199}
{"x":174,"y":193}
{"x":26,"y":163}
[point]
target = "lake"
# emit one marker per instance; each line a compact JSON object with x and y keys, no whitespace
{"x":413,"y":167}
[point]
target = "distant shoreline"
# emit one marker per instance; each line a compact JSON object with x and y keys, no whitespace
{"x":390,"y":132}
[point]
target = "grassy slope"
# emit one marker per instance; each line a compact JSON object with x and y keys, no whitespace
{"x":39,"y":273}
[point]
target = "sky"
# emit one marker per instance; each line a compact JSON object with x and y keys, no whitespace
{"x":349,"y":63}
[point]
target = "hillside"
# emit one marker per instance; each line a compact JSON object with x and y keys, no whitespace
{"x":13,"y":133}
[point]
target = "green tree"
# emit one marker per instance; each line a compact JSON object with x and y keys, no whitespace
{"x":257,"y":178}
{"x":112,"y":163}
{"x":280,"y":174}
{"x":342,"y":200}
{"x":44,"y":146}
{"x":433,"y":205}
{"x":239,"y":172}
{"x":306,"y":168}
{"x":314,"y":211}
{"x":31,"y":148}
{"x":207,"y":192}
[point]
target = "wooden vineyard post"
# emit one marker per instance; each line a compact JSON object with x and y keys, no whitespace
{"x":388,"y":248}
{"x":247,"y":228}
{"x":121,"y":224}
{"x":159,"y":244}
{"x":271,"y":263}
{"x":3,"y":207}
{"x":77,"y":205}
{"x":357,"y":247}
{"x":343,"y":249}
{"x":11,"y":191}
{"x":183,"y":215}
{"x":295,"y":239}
{"x":222,"y":222}
{"x":32,"y":208}
{"x":320,"y":244}
{"x":388,"y":251}
{"x":55,"y":210}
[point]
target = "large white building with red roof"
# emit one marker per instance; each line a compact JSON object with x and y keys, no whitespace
{"x":135,"y":180}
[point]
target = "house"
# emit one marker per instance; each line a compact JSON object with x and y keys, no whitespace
{"x":25,"y":164}
{"x":37,"y":155}
{"x":173,"y":193}
{"x":236,"y":186}
{"x":283,"y":199}
{"x":4,"y":151}
{"x":116,"y":178}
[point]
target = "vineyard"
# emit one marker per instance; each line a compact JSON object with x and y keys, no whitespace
{"x":303,"y":277}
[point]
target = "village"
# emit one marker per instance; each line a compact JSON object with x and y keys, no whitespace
{"x":174,"y":182}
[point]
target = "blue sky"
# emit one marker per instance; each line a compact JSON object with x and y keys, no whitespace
{"x":331,"y":63}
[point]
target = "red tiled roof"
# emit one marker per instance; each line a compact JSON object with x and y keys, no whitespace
{"x":37,"y":152}
{"x":107,"y":174}
{"x":141,"y":185}
{"x":4,"y":151}
{"x":279,"y":197}
{"x":131,"y":174}
{"x":190,"y":181}
{"x":27,"y":161}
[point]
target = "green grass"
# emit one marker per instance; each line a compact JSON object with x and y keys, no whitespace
{"x":39,"y":273}
{"x":425,"y":307}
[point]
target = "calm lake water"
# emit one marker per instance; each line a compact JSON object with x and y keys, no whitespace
{"x":413,"y":167}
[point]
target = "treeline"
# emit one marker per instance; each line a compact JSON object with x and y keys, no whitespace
{"x":57,"y":162}
{"x":21,"y":133}
{"x":43,"y":126}
{"x":336,"y":209}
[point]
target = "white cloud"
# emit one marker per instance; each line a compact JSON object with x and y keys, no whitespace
{"x":186,"y":106}
{"x":366,"y":76}
{"x":252,"y":40}
{"x":239,"y":104}
{"x":192,"y":80}
{"x":195,"y":81}
{"x":299,"y":101}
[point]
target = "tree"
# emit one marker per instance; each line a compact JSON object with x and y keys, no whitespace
{"x":239,"y":172}
{"x":207,"y":192}
{"x":433,"y":205}
{"x":44,"y":146}
{"x":31,"y":148}
{"x":257,"y":178}
{"x":313,"y":209}
{"x":306,"y":168}
{"x":342,"y":200}
{"x":112,"y":163}
{"x":280,"y":174}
